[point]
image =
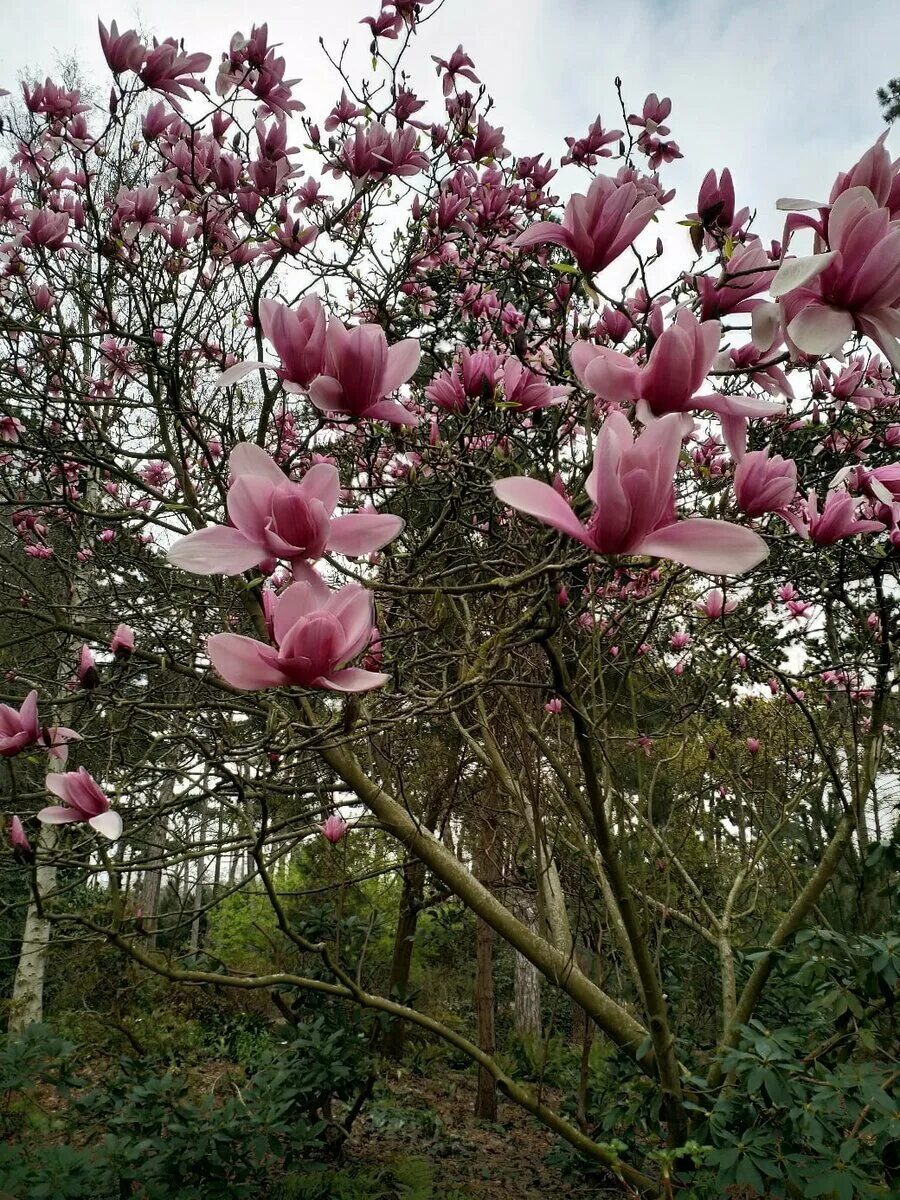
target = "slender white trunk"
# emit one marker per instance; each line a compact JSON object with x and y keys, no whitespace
{"x":27,"y":1006}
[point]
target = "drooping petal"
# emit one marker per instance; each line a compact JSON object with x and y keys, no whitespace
{"x":818,"y":329}
{"x":539,"y":500}
{"x":56,"y":815}
{"x":363,"y":532}
{"x":392,"y":412}
{"x":240,"y":371}
{"x":243,"y":662}
{"x":353,"y":679}
{"x":797,"y":272}
{"x":108,"y":823}
{"x":542,"y":232}
{"x":714,"y":547}
{"x":218,"y":549}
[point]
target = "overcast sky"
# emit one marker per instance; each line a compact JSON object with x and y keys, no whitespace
{"x":783,"y":93}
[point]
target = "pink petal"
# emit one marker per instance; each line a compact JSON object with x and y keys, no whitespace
{"x":58,"y":816}
{"x":240,"y":371}
{"x":542,"y":232}
{"x":59,"y":783}
{"x":714,"y":547}
{"x":402,"y":361}
{"x":322,"y":482}
{"x":298,"y":601}
{"x":354,"y":608}
{"x":243,"y":662}
{"x":797,"y":272}
{"x":392,"y":412}
{"x":363,"y":532}
{"x":250,"y":507}
{"x":327,"y":394}
{"x":540,"y":500}
{"x":352,"y":679}
{"x":217,"y":549}
{"x":108,"y":823}
{"x":249,"y":459}
{"x":818,"y":329}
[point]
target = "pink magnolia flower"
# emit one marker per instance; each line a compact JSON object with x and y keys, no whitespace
{"x":298,"y":336}
{"x":527,"y":390}
{"x":122,"y":642}
{"x":855,"y":284}
{"x":753,"y":745}
{"x":554,"y":706}
{"x":677,"y":367}
{"x":333,"y":828}
{"x":15,"y":831}
{"x":596,"y":227}
{"x":82,"y":801}
{"x":273,"y":517}
{"x":10,"y":428}
{"x":837,"y":519}
{"x":763,"y":484}
{"x":86,"y":672}
{"x":22,"y":729}
{"x":123,"y":51}
{"x":714,"y":605}
{"x":316,"y":632}
{"x":361,"y":370}
{"x":631,"y":485}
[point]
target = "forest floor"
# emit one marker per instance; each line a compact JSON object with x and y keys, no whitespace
{"x":432,"y":1118}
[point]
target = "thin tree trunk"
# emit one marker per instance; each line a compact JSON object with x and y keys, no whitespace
{"x":486,"y":1094}
{"x":526,"y":977}
{"x":27,"y":1006}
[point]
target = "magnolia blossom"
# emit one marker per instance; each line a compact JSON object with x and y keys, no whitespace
{"x":361,"y":370}
{"x":82,"y":801}
{"x":596,"y":227}
{"x":273,"y":517}
{"x":316,"y":631}
{"x":714,"y":605}
{"x":855,"y":284}
{"x":836,"y":520}
{"x":631,"y":486}
{"x":763,"y":484}
{"x":673,"y":375}
{"x":333,"y":828}
{"x":15,"y":831}
{"x":19,"y":730}
{"x":122,"y":641}
{"x":344,"y":371}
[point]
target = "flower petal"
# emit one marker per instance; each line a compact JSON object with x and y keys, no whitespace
{"x":402,"y":361}
{"x":249,"y":459}
{"x":363,"y":532}
{"x":797,"y":272}
{"x":714,"y":547}
{"x":353,"y":679}
{"x":818,"y":329}
{"x":539,"y":500}
{"x":218,"y":549}
{"x":240,"y":371}
{"x":108,"y":823}
{"x":58,"y":816}
{"x":244,"y":662}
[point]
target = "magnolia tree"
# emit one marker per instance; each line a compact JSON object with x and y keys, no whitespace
{"x":355,"y":486}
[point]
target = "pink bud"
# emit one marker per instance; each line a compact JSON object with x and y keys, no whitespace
{"x":562,"y":597}
{"x":334,"y":828}
{"x":122,"y":643}
{"x":87,"y":674}
{"x":553,"y":706}
{"x":753,"y":745}
{"x":17,"y":838}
